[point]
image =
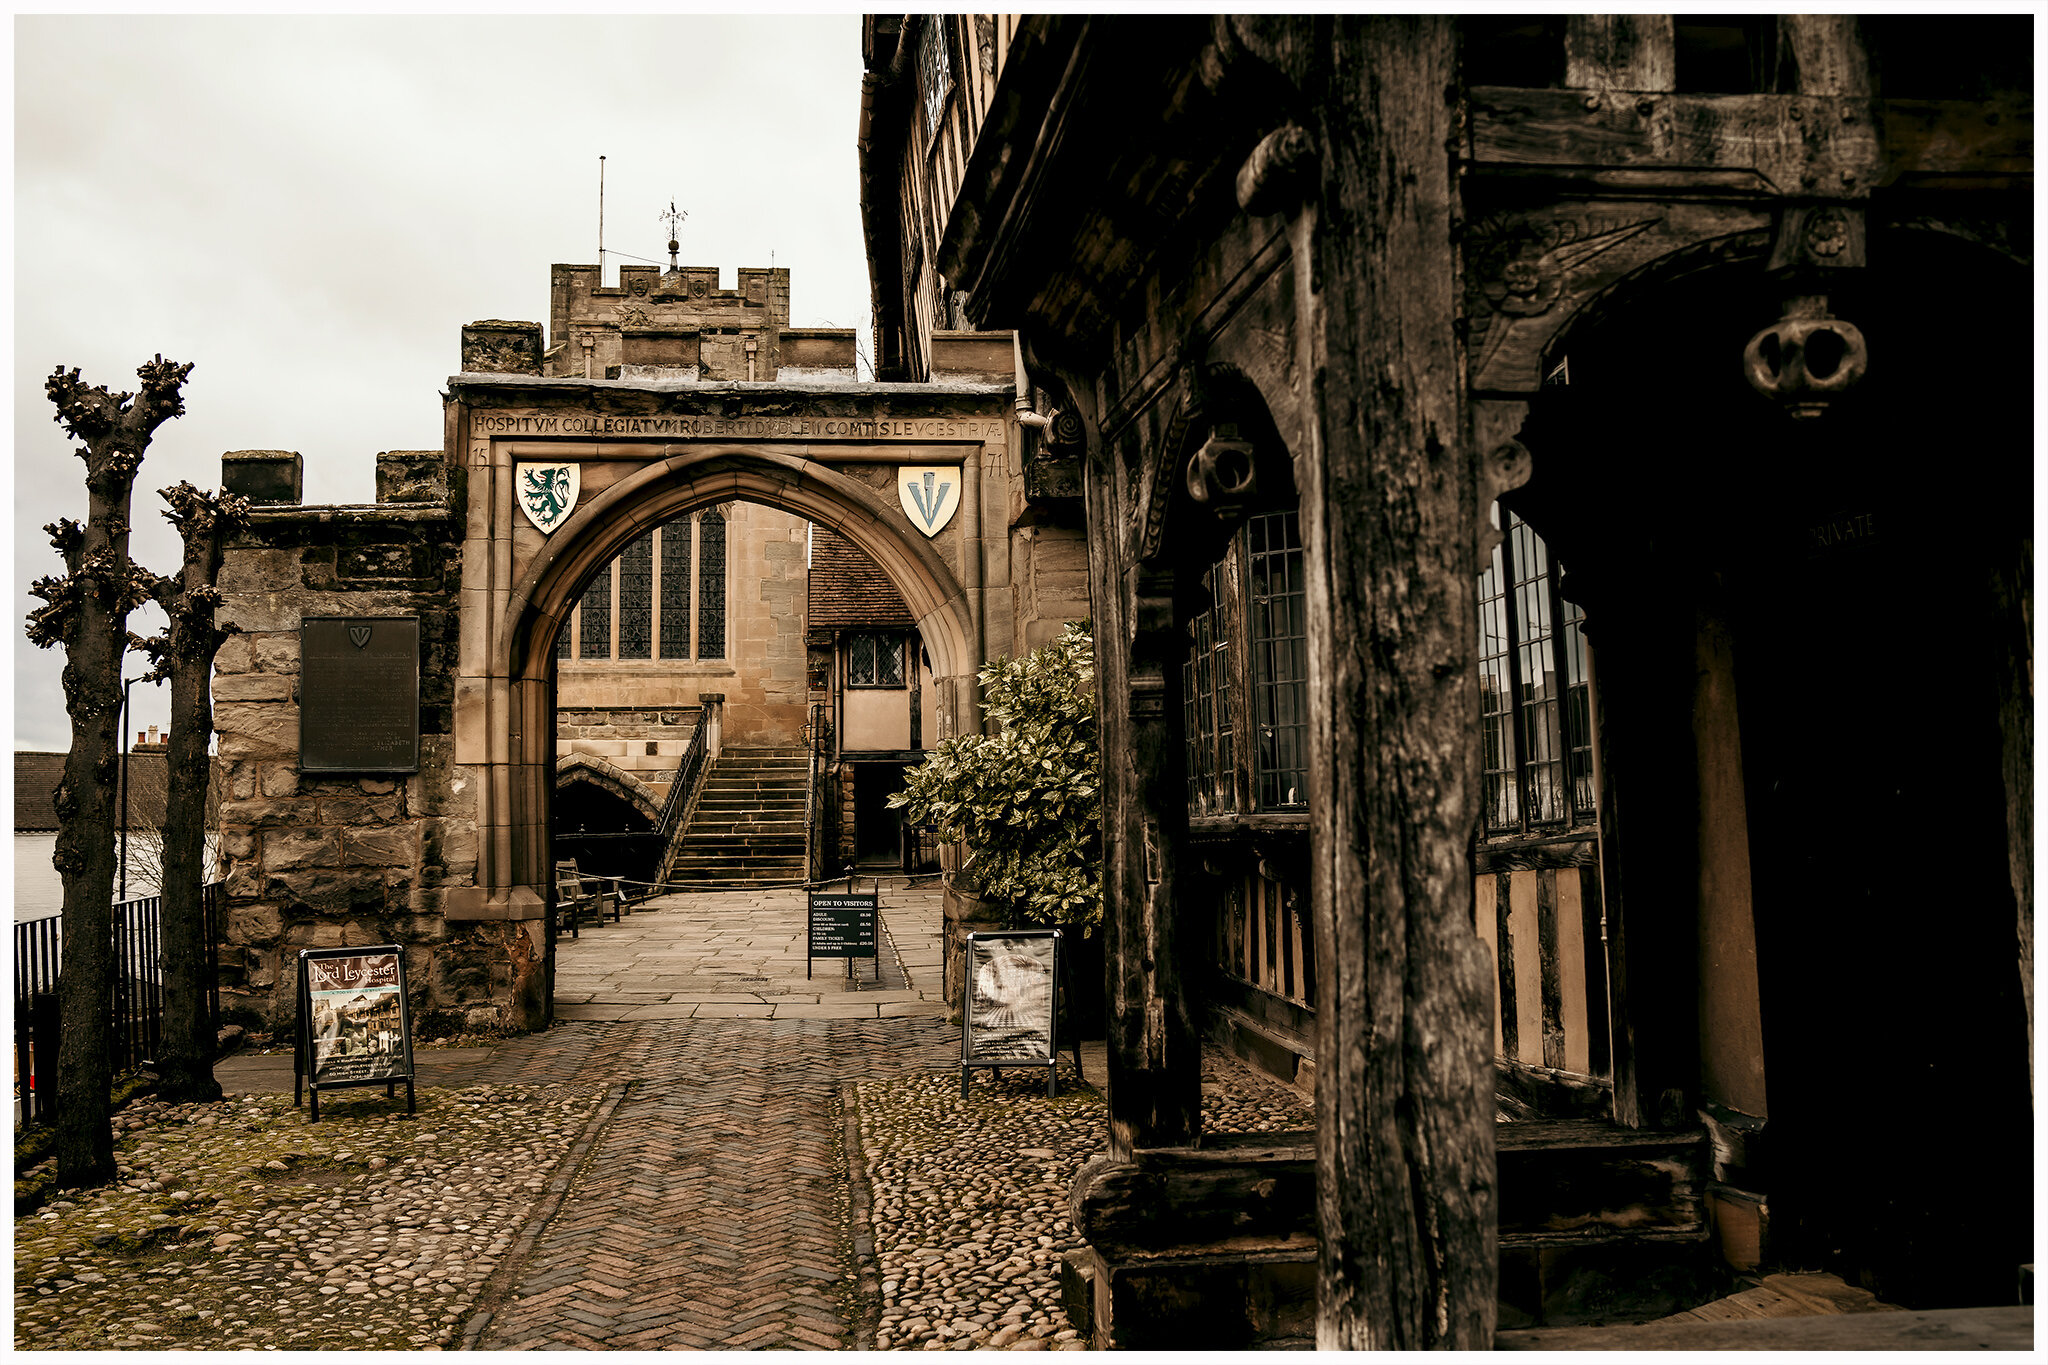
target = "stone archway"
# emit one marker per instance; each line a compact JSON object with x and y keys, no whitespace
{"x":516,"y":626}
{"x":609,"y":778}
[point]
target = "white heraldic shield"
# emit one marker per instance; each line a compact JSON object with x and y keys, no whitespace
{"x":547,"y":492}
{"x":929,"y":494}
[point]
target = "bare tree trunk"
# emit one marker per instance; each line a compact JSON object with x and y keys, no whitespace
{"x":86,"y":611}
{"x":185,"y":652}
{"x":1405,"y":1149}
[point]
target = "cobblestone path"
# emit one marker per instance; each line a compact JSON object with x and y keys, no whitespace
{"x":711,"y":1209}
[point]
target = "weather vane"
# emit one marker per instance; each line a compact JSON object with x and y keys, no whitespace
{"x":674,"y":218}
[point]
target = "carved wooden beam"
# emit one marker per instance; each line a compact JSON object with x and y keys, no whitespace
{"x":1825,"y":146}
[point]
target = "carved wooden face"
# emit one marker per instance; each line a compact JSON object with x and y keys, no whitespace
{"x":1223,"y":475}
{"x":1805,"y":361}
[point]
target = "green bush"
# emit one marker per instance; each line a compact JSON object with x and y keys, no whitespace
{"x":1026,"y":797}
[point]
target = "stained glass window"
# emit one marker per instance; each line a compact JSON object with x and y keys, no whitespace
{"x":562,"y":641}
{"x":675,"y":589}
{"x":711,"y":586}
{"x":636,"y":599}
{"x":597,"y":616}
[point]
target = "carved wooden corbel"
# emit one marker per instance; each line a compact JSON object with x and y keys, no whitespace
{"x":1279,"y":172}
{"x":1809,"y":357}
{"x":1502,"y":464}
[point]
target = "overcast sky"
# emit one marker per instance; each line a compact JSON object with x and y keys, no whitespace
{"x":310,"y":209}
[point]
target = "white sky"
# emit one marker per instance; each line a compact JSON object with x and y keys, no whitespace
{"x":311,"y":208}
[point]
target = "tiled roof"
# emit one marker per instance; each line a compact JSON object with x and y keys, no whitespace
{"x":849,"y":591}
{"x":36,"y":776}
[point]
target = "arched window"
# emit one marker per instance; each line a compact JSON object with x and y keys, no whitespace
{"x":711,"y":585}
{"x":646,"y":591}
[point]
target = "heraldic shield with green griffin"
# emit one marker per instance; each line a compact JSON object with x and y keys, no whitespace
{"x":547,"y":492}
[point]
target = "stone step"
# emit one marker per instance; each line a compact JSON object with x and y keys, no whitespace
{"x":714,"y":872}
{"x":726,"y":829}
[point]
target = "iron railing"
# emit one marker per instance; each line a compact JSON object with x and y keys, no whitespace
{"x":688,"y":773}
{"x":819,"y":733}
{"x":138,"y":1015}
{"x":675,"y":808}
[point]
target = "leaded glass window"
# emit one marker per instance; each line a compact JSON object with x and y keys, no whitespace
{"x":597,"y":616}
{"x":562,"y":641}
{"x":1205,"y":690}
{"x":1279,"y":648}
{"x":935,"y":70}
{"x":636,"y":599}
{"x":1496,"y":718}
{"x":874,"y":661}
{"x":675,"y":589}
{"x":1534,"y":696}
{"x":711,"y":586}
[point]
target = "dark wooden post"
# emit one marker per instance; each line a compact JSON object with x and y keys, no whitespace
{"x":1405,"y":1140}
{"x":1155,"y":1069}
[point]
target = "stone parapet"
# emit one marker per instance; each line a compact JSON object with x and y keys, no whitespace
{"x":497,"y":347}
{"x":264,"y":477}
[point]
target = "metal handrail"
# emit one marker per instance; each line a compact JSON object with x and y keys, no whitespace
{"x":688,"y":773}
{"x":814,"y":797}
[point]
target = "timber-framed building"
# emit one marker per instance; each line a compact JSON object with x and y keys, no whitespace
{"x":1563,"y":616}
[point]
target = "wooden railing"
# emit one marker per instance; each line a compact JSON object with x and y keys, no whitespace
{"x":1542,"y":924}
{"x":138,"y":992}
{"x":1265,"y":939}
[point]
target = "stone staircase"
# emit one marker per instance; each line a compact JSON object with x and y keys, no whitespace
{"x":749,"y":825}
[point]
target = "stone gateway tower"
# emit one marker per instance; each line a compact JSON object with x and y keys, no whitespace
{"x":658,"y":460}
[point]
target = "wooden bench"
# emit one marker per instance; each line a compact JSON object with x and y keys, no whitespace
{"x":577,"y":896}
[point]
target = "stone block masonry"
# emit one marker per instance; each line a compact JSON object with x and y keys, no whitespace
{"x":325,"y":860}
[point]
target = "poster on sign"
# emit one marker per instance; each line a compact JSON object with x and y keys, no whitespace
{"x":1011,"y":1012}
{"x":355,"y":1027}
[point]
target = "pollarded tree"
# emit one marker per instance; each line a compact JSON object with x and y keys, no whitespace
{"x":86,"y":611}
{"x":184,"y":654}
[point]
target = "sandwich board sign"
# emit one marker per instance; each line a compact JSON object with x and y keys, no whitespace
{"x":1010,"y":1016}
{"x":355,"y":1025}
{"x":842,"y":924}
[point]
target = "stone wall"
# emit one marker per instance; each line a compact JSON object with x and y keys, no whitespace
{"x":1049,"y":581}
{"x":313,"y":861}
{"x":649,"y":744}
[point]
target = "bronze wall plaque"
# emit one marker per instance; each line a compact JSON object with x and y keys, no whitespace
{"x":359,"y":694}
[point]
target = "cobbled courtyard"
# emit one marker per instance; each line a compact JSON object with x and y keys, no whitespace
{"x":804,"y":1175}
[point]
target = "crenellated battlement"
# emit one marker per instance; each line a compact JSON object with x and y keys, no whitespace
{"x":667,"y":297}
{"x":666,"y":324}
